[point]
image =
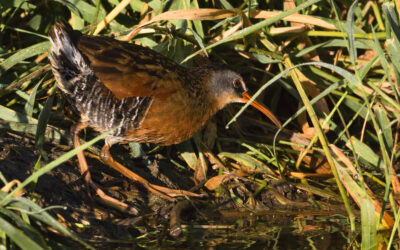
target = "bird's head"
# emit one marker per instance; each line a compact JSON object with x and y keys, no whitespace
{"x":227,"y":86}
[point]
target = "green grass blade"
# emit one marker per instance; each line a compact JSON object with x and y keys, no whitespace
{"x":384,"y":63}
{"x":35,"y":169}
{"x":394,"y":229}
{"x":18,"y":236}
{"x":331,"y":43}
{"x":383,"y":121}
{"x":394,"y":52}
{"x":52,"y":133}
{"x":13,"y":116}
{"x":248,"y":161}
{"x":365,"y":152}
{"x":199,"y":40}
{"x":392,"y":18}
{"x":188,"y":154}
{"x":23,"y":54}
{"x":89,"y":12}
{"x":29,"y":105}
{"x":350,"y":32}
{"x":35,"y":211}
{"x":368,"y":225}
{"x":17,"y":221}
{"x":26,"y":31}
{"x":44,"y":117}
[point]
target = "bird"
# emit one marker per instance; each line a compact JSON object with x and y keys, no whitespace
{"x":139,"y":94}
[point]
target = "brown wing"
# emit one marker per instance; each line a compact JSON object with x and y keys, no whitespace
{"x":130,"y":70}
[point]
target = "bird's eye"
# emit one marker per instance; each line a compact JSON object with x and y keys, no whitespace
{"x":237,"y":84}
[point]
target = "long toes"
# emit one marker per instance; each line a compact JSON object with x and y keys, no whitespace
{"x":112,"y":202}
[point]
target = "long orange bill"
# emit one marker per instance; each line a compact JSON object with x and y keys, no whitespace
{"x":246,"y":98}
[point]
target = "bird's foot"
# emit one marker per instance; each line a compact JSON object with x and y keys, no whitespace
{"x":84,"y":169}
{"x":163,"y":192}
{"x":110,"y":201}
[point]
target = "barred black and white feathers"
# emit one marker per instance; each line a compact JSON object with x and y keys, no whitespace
{"x":66,"y":60}
{"x":88,"y":96}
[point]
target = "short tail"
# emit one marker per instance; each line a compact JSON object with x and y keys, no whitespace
{"x":66,"y":60}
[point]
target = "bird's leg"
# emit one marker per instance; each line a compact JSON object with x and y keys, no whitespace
{"x":84,"y":169}
{"x":163,"y":192}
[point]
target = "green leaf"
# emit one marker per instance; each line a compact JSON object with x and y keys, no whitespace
{"x":23,"y":54}
{"x":35,"y":22}
{"x":136,"y":5}
{"x":51,"y":132}
{"x":368,"y":225}
{"x":44,"y":119}
{"x":136,"y":149}
{"x":248,"y":161}
{"x":355,"y":190}
{"x":13,"y":116}
{"x":265,"y":59}
{"x":367,"y":67}
{"x":35,"y":169}
{"x":29,"y":105}
{"x":17,"y":221}
{"x":199,"y":40}
{"x":364,"y":151}
{"x":332,"y":43}
{"x":188,"y":154}
{"x":327,"y":194}
{"x":197,"y":23}
{"x":35,"y":211}
{"x":226,"y":4}
{"x":78,"y":22}
{"x":18,"y":236}
{"x":23,"y":4}
{"x":384,"y":63}
{"x":394,"y":52}
{"x":384,"y":125}
{"x":88,"y":11}
{"x":350,"y":33}
{"x":391,"y":15}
